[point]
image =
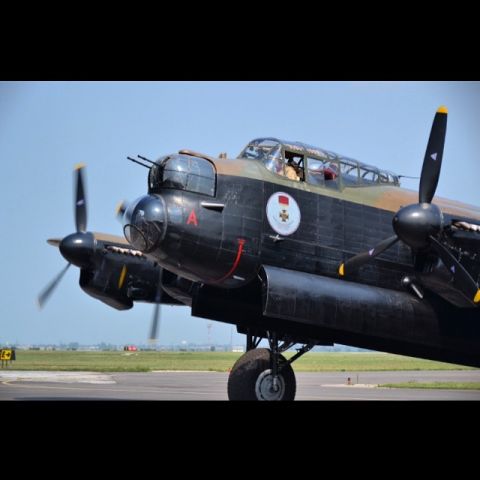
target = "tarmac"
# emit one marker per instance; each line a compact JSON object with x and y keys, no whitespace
{"x":180,"y":386}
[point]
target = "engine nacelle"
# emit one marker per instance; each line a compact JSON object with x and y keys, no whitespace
{"x":119,"y":280}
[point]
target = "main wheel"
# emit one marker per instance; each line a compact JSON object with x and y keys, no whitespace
{"x":251,"y":378}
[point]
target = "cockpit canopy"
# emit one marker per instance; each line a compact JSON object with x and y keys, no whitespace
{"x":182,"y":172}
{"x":302,"y":162}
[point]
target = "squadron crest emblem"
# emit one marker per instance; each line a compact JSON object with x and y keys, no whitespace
{"x":283,"y":213}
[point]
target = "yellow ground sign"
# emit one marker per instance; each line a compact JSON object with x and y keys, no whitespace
{"x":6,"y":354}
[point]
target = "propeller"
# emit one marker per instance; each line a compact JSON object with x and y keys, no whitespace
{"x":77,"y":248}
{"x":418,"y":225}
{"x":80,"y":203}
{"x":156,"y":311}
{"x":462,"y":278}
{"x":48,"y":290}
{"x":155,"y":324}
{"x":120,"y":210}
{"x":358,"y":260}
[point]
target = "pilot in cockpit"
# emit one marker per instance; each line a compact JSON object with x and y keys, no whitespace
{"x":291,"y":171}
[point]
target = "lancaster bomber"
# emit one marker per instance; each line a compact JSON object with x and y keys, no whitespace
{"x":297,"y":245}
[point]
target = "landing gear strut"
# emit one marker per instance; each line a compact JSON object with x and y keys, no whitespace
{"x":264,"y":373}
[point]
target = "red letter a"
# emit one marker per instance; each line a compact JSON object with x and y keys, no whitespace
{"x":192,"y":218}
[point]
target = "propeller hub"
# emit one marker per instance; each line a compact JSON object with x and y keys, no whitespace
{"x":415,"y":223}
{"x":145,"y":222}
{"x":78,"y":248}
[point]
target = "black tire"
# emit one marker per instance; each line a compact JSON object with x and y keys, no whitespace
{"x":242,"y":381}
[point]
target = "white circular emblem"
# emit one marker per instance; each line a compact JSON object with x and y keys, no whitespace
{"x":283,"y":213}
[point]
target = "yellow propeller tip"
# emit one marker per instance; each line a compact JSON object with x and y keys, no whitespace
{"x":477,"y":297}
{"x":78,"y":166}
{"x":442,"y":109}
{"x":118,"y":207}
{"x":341,"y":270}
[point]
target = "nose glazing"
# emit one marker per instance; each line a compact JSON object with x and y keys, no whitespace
{"x":145,"y":223}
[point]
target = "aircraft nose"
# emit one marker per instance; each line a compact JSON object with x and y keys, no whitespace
{"x":145,"y":222}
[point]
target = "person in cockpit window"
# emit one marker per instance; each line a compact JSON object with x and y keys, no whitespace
{"x":291,"y":171}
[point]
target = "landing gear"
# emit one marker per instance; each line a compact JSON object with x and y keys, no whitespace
{"x":251,"y":378}
{"x":264,"y":374}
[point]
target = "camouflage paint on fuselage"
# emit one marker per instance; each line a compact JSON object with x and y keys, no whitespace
{"x":386,"y":197}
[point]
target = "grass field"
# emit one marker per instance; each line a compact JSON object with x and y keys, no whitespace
{"x":212,"y":361}
{"x":434,"y":385}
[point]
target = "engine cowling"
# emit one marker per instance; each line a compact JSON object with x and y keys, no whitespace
{"x":119,"y":282}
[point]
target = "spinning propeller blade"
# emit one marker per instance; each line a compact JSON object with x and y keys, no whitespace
{"x":155,"y":324}
{"x":75,"y":247}
{"x":120,"y":210}
{"x":48,"y":290}
{"x":156,"y":311}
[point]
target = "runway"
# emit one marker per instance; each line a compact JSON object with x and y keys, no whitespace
{"x":181,"y":386}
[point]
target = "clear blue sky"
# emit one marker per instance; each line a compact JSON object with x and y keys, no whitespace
{"x":47,"y":127}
